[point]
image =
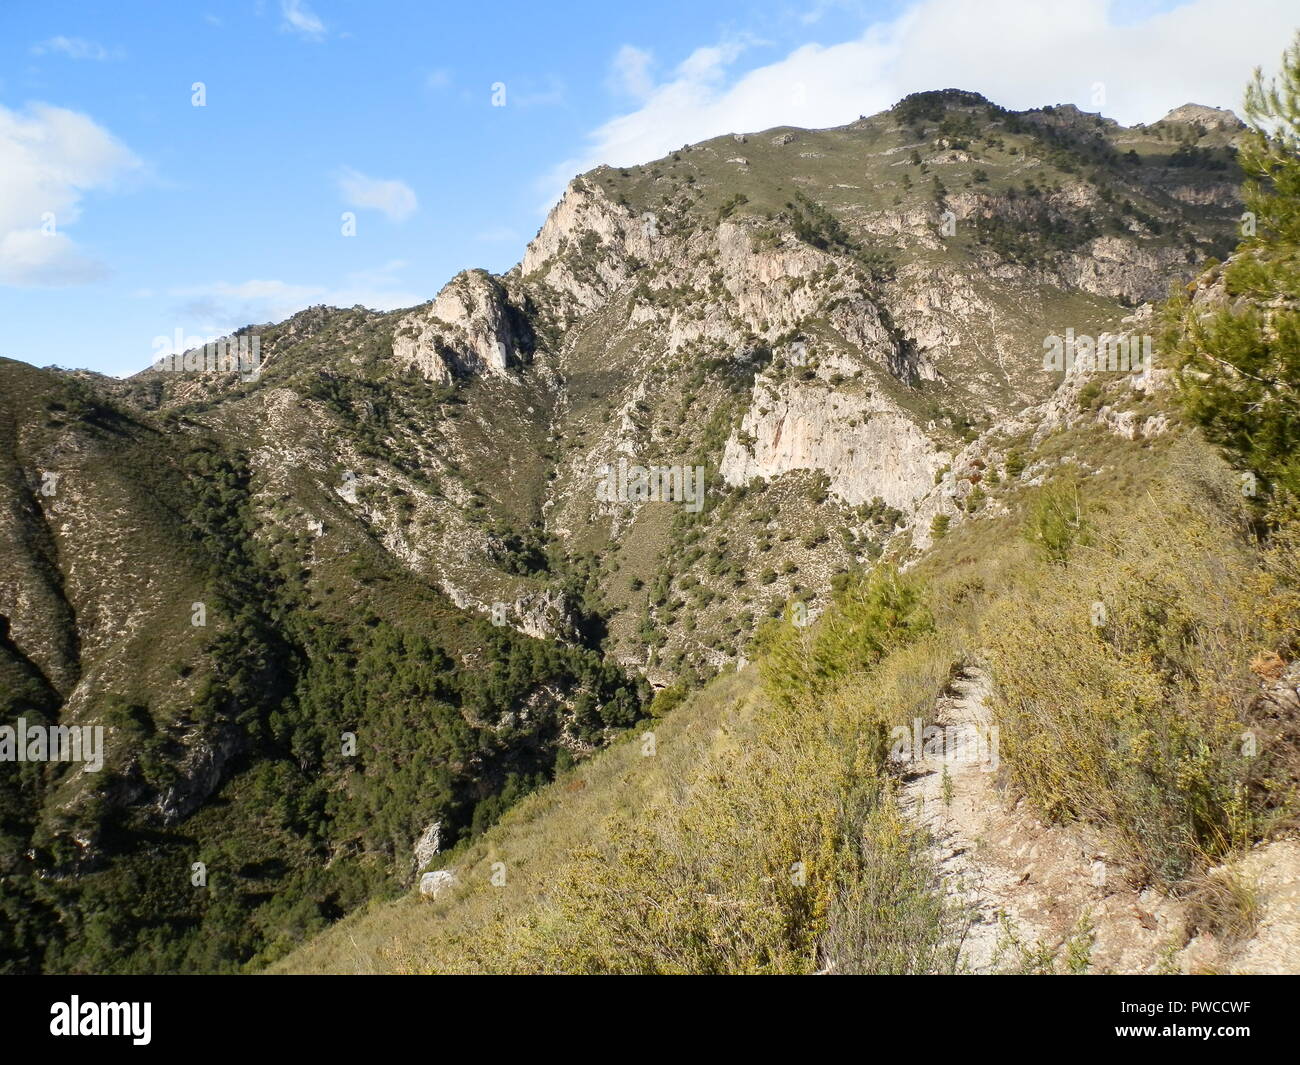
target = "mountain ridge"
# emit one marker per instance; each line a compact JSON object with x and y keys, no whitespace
{"x":841,"y":327}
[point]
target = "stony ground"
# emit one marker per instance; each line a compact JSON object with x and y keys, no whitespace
{"x":1049,"y":898}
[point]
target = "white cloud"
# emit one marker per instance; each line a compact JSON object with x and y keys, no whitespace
{"x":32,"y":259}
{"x":630,"y":72}
{"x":818,"y":10}
{"x":77,"y":48}
{"x":49,"y":158}
{"x":219,"y":307}
{"x":302,"y":20}
{"x":706,"y":65}
{"x":394,"y":198}
{"x":1018,"y":53}
{"x":245,"y":300}
{"x":378,"y":288}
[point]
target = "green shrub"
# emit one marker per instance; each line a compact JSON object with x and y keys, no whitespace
{"x":1056,"y":521}
{"x":1124,"y":688}
{"x":1237,"y":366}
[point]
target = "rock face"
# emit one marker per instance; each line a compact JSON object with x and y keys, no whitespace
{"x":545,"y":615}
{"x":426,"y":847}
{"x":1112,"y":267}
{"x":198,"y":774}
{"x":583,"y":250}
{"x":1219,"y":118}
{"x":867,"y":447}
{"x":435,"y":883}
{"x":469,"y":329}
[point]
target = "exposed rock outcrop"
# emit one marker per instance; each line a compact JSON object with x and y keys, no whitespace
{"x":1206,"y":117}
{"x":435,"y":883}
{"x":427,"y":846}
{"x":469,"y":329}
{"x":866,"y":446}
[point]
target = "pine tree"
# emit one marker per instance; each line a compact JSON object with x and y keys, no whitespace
{"x":1238,"y":365}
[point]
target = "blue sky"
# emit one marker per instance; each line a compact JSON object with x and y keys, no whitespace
{"x":127,"y":213}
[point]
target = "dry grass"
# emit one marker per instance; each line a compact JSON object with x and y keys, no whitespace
{"x":763,"y":835}
{"x":532,"y":839}
{"x":1225,"y":904}
{"x":1124,"y":679}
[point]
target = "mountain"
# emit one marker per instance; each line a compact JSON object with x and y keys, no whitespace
{"x":763,"y":305}
{"x":338,"y":614}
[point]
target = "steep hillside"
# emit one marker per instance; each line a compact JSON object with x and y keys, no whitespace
{"x":819,"y":319}
{"x":288,"y":708}
{"x":774,"y":823}
{"x":339,"y":613}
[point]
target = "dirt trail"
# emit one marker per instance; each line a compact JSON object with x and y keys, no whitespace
{"x":1045,"y":897}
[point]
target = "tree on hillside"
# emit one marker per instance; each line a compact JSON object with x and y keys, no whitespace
{"x":1238,"y":365}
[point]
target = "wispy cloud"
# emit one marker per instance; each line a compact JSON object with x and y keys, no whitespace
{"x":77,"y":48}
{"x":394,"y":198}
{"x":49,"y":158}
{"x":219,"y":307}
{"x":301,"y":20}
{"x":630,"y":72}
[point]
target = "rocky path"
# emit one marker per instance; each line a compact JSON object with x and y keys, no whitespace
{"x":1048,"y":898}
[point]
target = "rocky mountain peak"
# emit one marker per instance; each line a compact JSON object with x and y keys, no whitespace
{"x":469,"y":328}
{"x":1217,"y":118}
